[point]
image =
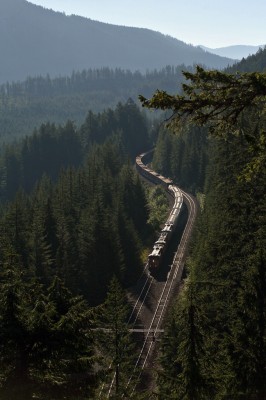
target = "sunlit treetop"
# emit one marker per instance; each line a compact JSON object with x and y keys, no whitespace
{"x":227,"y":103}
{"x":213,"y":97}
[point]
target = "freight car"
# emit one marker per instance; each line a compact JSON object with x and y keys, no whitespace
{"x":166,"y":233}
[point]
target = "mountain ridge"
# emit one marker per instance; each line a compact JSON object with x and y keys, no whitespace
{"x":37,"y":41}
{"x":236,"y":52}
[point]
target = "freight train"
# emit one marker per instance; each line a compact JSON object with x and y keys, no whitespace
{"x":159,"y":247}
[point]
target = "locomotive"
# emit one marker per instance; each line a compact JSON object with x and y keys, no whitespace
{"x":166,"y":233}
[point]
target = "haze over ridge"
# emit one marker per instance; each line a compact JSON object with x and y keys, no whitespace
{"x":35,"y":41}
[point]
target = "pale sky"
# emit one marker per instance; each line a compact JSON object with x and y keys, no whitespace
{"x":210,"y":23}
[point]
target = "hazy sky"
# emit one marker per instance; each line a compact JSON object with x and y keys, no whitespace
{"x":213,"y":23}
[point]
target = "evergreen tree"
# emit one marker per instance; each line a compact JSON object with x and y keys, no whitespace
{"x":229,"y":253}
{"x":182,"y":376}
{"x":219,"y":99}
{"x":115,"y":343}
{"x":46,"y":344}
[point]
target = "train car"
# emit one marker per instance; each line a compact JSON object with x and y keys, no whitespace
{"x":149,"y":174}
{"x":160,"y":246}
{"x":155,"y":257}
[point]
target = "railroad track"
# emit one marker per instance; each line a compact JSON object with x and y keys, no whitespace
{"x":155,"y":327}
{"x":163,"y":291}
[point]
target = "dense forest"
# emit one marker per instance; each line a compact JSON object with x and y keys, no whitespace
{"x":215,"y":343}
{"x":255,"y":62}
{"x":26,"y":105}
{"x":51,"y":147}
{"x":184,"y":157}
{"x":73,"y":215}
{"x":216,"y":336}
{"x":76,"y":222}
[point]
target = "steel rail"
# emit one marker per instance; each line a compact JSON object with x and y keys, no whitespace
{"x":137,"y":302}
{"x":177,"y":262}
{"x":163,"y":300}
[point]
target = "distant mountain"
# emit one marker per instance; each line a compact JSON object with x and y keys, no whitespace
{"x":236,"y":52}
{"x":35,"y":41}
{"x":255,"y":62}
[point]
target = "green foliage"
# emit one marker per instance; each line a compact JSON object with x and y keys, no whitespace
{"x":212,"y":96}
{"x":116,"y":344}
{"x":53,"y":148}
{"x":227,"y":273}
{"x":72,"y":222}
{"x":182,"y":376}
{"x":254,"y":62}
{"x":26,"y":105}
{"x":183,"y":157}
{"x":221,"y":100}
{"x":159,"y":207}
{"x":77,"y":221}
{"x":216,"y":341}
{"x":46,"y":347}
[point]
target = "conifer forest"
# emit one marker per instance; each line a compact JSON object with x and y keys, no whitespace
{"x":77,"y":224}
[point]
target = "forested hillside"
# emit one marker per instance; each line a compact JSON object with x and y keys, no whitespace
{"x":52,"y":148}
{"x":76,"y":221}
{"x":184,"y":157}
{"x":215,"y":344}
{"x":26,"y":105}
{"x":255,"y":62}
{"x":73,"y":215}
{"x":36,"y":41}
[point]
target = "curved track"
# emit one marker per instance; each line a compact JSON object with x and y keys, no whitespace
{"x":174,"y":276}
{"x":158,"y":295}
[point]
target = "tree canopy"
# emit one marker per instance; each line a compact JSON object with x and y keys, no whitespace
{"x":212,"y":96}
{"x":222,"y":101}
{"x":215,"y":344}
